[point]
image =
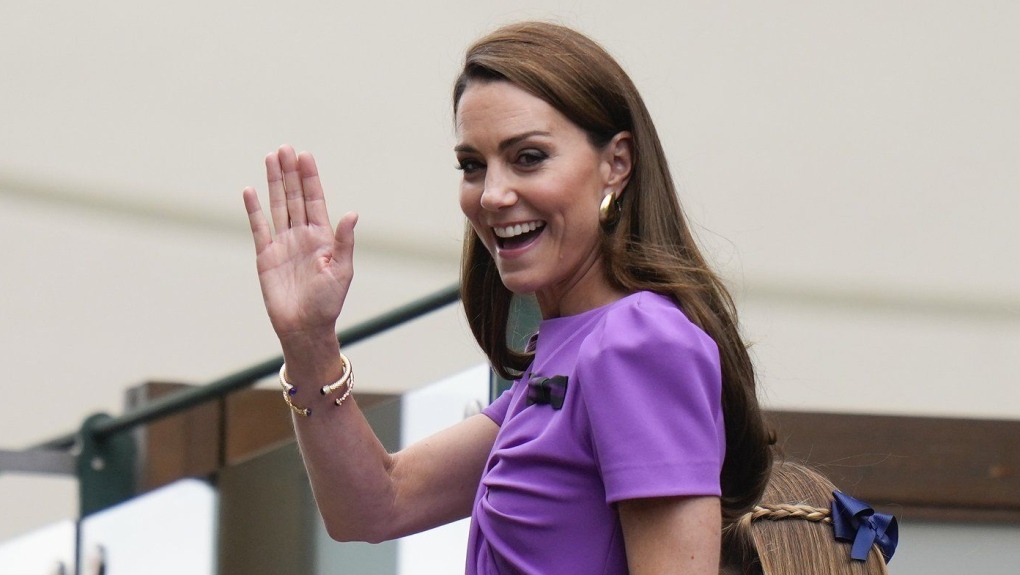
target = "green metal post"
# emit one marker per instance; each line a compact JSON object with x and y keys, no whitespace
{"x":106,"y":467}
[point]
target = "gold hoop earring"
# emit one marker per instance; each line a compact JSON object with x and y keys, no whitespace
{"x":609,"y":211}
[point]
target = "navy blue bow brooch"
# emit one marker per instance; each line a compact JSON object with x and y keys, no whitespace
{"x":853,"y":520}
{"x":547,"y":391}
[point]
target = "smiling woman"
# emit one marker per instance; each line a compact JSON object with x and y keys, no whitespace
{"x":531,"y":189}
{"x":633,"y":427}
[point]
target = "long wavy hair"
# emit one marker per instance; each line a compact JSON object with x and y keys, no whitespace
{"x":650,"y":247}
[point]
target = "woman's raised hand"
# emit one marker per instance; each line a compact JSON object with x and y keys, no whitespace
{"x":305,"y":269}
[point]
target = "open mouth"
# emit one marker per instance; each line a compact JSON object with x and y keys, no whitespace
{"x":517,"y":235}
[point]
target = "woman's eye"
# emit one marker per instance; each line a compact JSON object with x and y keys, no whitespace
{"x":529,"y":158}
{"x":469,"y":166}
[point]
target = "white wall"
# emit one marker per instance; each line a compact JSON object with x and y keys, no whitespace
{"x":852,"y":167}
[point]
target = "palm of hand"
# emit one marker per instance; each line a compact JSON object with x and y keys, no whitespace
{"x":303,"y":285}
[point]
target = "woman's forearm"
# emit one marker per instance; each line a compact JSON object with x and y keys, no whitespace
{"x":347,"y":465}
{"x":363,"y":492}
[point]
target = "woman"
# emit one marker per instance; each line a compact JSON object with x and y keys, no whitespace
{"x":634,"y":420}
{"x":804,"y":526}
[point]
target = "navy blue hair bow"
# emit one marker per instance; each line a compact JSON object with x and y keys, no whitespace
{"x":548,"y":390}
{"x":853,"y":520}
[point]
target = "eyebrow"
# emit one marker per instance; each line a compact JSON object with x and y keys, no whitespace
{"x":505,"y":144}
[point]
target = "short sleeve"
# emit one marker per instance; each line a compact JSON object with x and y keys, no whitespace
{"x":651,"y":383}
{"x":496,"y":411}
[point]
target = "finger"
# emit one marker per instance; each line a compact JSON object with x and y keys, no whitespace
{"x":315,"y":201}
{"x":292,"y":185}
{"x":260,"y":231}
{"x":277,"y":196}
{"x":343,"y":241}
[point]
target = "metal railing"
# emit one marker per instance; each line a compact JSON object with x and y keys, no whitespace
{"x":102,"y":455}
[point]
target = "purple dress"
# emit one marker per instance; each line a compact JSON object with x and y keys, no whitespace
{"x":639,"y":416}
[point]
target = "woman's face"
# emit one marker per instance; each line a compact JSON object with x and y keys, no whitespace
{"x":531,"y":189}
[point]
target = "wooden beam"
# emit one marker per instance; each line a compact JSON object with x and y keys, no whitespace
{"x":923,"y":468}
{"x":203,"y":439}
{"x":928,"y":468}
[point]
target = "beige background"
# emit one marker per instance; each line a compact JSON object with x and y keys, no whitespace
{"x":852,"y":169}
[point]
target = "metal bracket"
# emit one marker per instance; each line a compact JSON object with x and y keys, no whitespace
{"x":106,"y":467}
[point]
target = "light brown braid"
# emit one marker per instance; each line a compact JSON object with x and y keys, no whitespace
{"x":785,"y":511}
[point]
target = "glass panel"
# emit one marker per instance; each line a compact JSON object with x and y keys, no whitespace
{"x":169,"y":531}
{"x":45,"y":551}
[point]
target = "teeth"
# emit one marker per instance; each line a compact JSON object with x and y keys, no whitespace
{"x":517,"y":229}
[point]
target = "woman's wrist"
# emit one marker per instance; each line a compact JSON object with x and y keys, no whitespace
{"x":344,"y":385}
{"x":312,"y":358}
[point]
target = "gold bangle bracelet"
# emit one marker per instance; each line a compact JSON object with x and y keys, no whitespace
{"x":347,"y":393}
{"x":348,"y":373}
{"x":290,"y":389}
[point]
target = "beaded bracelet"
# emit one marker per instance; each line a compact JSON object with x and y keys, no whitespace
{"x":346,"y":379}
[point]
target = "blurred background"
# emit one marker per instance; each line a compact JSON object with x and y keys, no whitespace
{"x":851,"y":168}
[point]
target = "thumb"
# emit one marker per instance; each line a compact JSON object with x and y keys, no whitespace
{"x":343,"y":240}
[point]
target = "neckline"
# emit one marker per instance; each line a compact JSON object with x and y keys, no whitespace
{"x":554,"y":333}
{"x":584,"y":315}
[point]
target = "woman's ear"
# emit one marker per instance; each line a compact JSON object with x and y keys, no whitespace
{"x":618,"y":161}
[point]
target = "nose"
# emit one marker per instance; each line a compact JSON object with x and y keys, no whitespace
{"x":498,"y":192}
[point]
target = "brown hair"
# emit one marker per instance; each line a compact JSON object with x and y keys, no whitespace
{"x":650,"y":247}
{"x":789,"y":532}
